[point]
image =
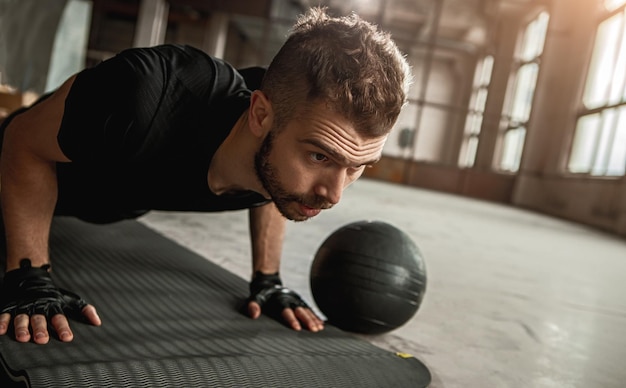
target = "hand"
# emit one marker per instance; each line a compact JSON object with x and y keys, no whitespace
{"x":30,"y":295}
{"x":267,"y":291}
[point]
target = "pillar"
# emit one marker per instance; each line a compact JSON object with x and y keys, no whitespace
{"x":216,"y":34}
{"x":151,"y":23}
{"x":507,"y":32}
{"x":560,"y":83}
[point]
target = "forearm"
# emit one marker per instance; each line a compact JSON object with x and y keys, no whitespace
{"x":28,"y":190}
{"x":28,"y":197}
{"x":267,"y":232}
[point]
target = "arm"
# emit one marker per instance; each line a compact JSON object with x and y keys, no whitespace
{"x":28,"y":196}
{"x":267,"y":232}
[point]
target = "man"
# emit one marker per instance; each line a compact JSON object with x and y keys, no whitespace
{"x":171,"y":128}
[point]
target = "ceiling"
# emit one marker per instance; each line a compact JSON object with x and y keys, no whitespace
{"x":458,"y":25}
{"x":464,"y":21}
{"x":461,"y":26}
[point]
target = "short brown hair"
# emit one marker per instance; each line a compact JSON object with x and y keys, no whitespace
{"x":345,"y":62}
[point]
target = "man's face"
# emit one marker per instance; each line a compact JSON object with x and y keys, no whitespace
{"x":306,"y":165}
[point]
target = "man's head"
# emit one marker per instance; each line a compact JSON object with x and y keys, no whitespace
{"x":326,"y":105}
{"x":345,"y":62}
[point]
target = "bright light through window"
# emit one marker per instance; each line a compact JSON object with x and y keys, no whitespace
{"x":517,"y":108}
{"x":600,"y":79}
{"x":474,"y":120}
{"x":534,"y":37}
{"x":599,"y":146}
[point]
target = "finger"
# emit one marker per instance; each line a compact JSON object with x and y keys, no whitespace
{"x":290,"y":317}
{"x":5,"y":319}
{"x":310,"y":320}
{"x":254,"y":310}
{"x":39,"y":325}
{"x":62,"y":327}
{"x":90,"y":313}
{"x":21,"y":328}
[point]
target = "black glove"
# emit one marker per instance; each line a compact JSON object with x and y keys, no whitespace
{"x":269,"y":293}
{"x":30,"y":290}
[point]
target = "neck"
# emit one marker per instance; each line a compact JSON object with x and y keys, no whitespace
{"x":232,"y":167}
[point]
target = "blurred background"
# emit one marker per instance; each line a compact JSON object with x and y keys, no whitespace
{"x":519,"y":102}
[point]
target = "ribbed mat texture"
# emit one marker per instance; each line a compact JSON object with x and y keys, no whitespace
{"x":172,"y":319}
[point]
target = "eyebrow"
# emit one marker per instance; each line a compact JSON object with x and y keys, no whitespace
{"x":337,"y":156}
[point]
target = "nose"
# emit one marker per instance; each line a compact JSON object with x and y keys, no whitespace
{"x":332,"y":185}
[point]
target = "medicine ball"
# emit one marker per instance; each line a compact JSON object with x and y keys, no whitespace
{"x":368,"y":277}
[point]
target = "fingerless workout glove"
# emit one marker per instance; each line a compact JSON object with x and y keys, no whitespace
{"x":269,"y":293}
{"x":30,"y":290}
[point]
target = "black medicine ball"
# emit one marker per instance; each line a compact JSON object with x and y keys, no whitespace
{"x":368,"y":277}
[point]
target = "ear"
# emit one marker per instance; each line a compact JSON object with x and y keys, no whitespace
{"x":260,"y":114}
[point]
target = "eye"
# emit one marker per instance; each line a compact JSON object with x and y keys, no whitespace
{"x":317,"y":157}
{"x":356,"y":170}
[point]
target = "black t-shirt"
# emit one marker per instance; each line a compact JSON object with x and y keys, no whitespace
{"x":141,"y":129}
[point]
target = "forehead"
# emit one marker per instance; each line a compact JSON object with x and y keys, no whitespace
{"x":328,"y":130}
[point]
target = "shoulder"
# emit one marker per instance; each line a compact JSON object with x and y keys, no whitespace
{"x":163,"y":58}
{"x":199,"y":72}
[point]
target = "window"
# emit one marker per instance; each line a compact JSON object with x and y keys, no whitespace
{"x":474,"y":120}
{"x":599,"y":146}
{"x":520,"y":97}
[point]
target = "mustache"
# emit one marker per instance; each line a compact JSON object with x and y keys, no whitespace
{"x":314,"y":202}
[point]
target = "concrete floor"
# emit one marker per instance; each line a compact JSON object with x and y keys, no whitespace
{"x":514,"y":298}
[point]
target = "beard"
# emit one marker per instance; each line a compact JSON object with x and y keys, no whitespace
{"x":282,"y":198}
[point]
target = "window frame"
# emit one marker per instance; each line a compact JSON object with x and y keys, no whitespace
{"x":599,"y":163}
{"x":476,"y":111}
{"x":512,"y":127}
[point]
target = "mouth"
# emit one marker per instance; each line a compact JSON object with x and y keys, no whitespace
{"x":308,"y":211}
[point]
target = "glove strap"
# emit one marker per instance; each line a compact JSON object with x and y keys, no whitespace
{"x":261,"y":281}
{"x":267,"y":290}
{"x":16,"y":278}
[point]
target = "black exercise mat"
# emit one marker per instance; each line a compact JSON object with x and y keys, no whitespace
{"x":172,"y":319}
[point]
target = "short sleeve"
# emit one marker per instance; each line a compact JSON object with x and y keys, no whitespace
{"x":113,"y":108}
